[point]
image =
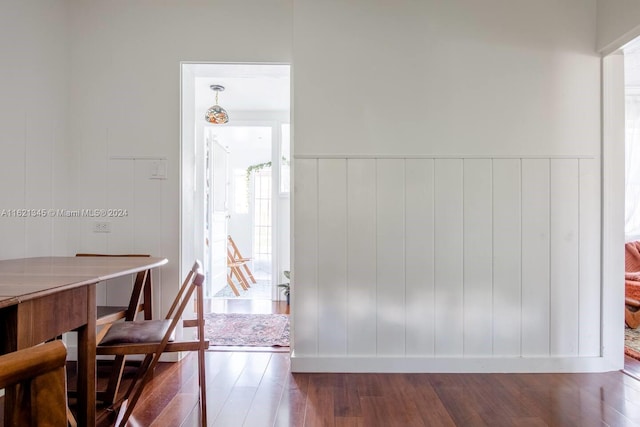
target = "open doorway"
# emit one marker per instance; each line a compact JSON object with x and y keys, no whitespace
{"x":235,"y":176}
{"x":245,"y":198}
{"x":632,"y":205}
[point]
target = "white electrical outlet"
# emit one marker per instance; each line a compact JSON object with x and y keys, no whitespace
{"x":102,"y":227}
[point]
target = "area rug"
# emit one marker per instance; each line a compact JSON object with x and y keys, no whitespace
{"x":632,"y":342}
{"x":255,"y":330}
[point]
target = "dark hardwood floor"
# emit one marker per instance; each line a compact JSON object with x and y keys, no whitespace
{"x":257,"y":389}
{"x":632,"y":367}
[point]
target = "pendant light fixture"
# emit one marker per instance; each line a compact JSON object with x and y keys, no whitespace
{"x":216,"y":114}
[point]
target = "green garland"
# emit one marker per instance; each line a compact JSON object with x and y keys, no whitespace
{"x":255,"y":168}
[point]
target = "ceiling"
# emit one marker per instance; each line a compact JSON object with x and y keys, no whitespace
{"x":248,"y":87}
{"x":254,"y":139}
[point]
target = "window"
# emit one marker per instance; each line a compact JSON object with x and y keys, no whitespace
{"x":262,"y":220}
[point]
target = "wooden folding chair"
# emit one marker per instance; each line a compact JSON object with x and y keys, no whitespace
{"x":237,"y":258}
{"x":107,"y":314}
{"x":154,"y":337}
{"x":234,"y":270}
{"x":37,"y":385}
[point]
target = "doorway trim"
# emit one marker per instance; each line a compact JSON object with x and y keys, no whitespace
{"x":613,"y":209}
{"x":190,"y":155}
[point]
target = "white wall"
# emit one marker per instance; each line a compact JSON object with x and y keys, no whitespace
{"x":34,"y":114}
{"x":458,"y":77}
{"x":125,"y":101}
{"x":496,"y":99}
{"x":618,"y":23}
{"x":447,"y":215}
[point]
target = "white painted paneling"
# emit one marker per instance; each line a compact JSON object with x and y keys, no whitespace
{"x":148,"y":198}
{"x":545,"y":106}
{"x":542,"y":47}
{"x":565,"y":240}
{"x":507,"y":251}
{"x":94,"y":163}
{"x":390,"y":262}
{"x":148,"y":223}
{"x":304,"y":291}
{"x":361,"y":256}
{"x":332,"y":257}
{"x":535,"y":257}
{"x":128,"y":189}
{"x":13,"y":171}
{"x":589,"y":227}
{"x":419,"y":257}
{"x":449,"y":314}
{"x":121,"y":194}
{"x":478,"y":253}
{"x":12,"y":165}
{"x":121,"y":191}
{"x":450,"y":257}
{"x":39,"y":184}
{"x":33,"y":126}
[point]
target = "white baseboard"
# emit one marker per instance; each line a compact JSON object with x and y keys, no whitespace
{"x":450,"y":365}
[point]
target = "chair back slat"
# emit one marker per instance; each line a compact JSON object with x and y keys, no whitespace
{"x":194,"y":269}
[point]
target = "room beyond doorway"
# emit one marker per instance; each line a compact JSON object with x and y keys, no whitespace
{"x":247,"y":199}
{"x":235,"y":176}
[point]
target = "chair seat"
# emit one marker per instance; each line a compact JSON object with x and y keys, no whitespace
{"x":142,"y":331}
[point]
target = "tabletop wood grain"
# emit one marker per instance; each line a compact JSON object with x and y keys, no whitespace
{"x":27,"y":278}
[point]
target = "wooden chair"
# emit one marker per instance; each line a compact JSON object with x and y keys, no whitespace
{"x":234,"y":270}
{"x":38,"y":377}
{"x":142,"y":283}
{"x":107,"y":314}
{"x":237,"y":258}
{"x":152,"y":338}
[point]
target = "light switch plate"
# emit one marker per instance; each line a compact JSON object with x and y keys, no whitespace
{"x":158,"y":169}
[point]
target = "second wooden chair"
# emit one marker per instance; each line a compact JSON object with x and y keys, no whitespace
{"x":152,"y":338}
{"x":36,"y":384}
{"x":139,"y":302}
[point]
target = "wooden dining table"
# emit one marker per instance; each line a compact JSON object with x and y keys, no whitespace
{"x":43,"y":297}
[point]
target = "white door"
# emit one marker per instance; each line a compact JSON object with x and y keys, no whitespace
{"x":217,"y":214}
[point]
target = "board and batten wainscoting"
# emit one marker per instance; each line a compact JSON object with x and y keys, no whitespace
{"x":447,"y":263}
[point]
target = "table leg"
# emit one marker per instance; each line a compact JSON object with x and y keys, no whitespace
{"x":87,"y":364}
{"x":148,"y":290}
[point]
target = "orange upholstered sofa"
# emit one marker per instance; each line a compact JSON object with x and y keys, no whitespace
{"x":632,"y":284}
